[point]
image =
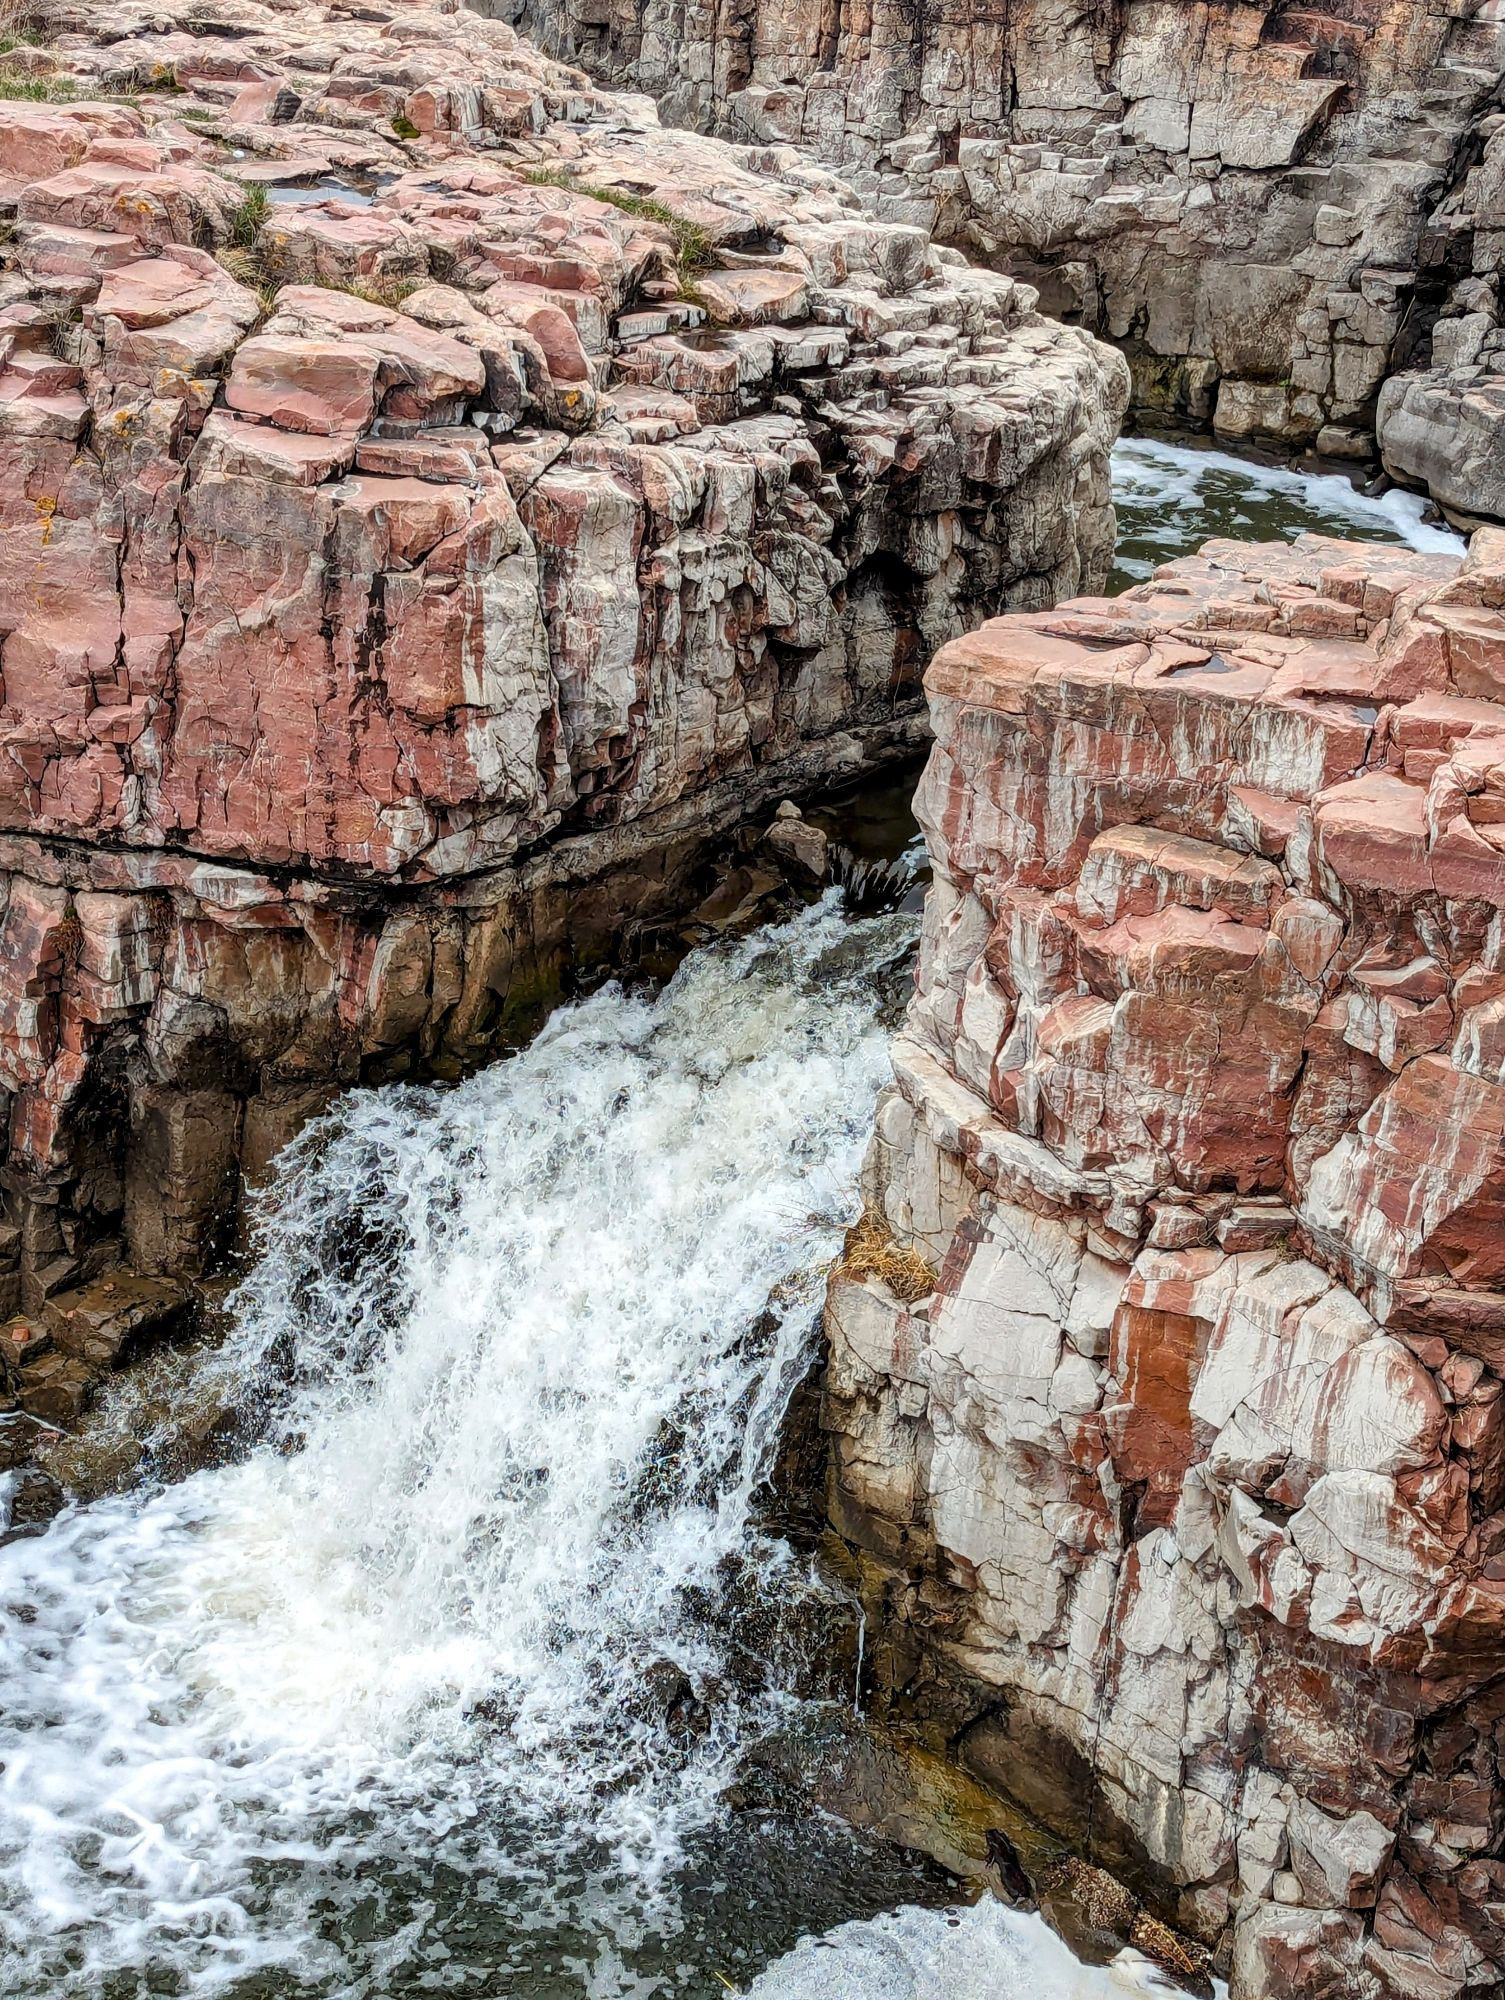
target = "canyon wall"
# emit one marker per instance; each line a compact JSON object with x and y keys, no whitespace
{"x":433,"y":500}
{"x":1279,"y":211}
{"x":1165,"y":1383}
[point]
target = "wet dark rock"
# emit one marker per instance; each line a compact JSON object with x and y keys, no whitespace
{"x":801,"y":850}
{"x":34,"y":1501}
{"x":869,"y":886}
{"x":1003,"y":1860}
{"x":97,"y":1323}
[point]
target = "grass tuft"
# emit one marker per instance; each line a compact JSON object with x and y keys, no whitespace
{"x":23,"y":25}
{"x":871,"y":1252}
{"x":24,"y":86}
{"x":245,"y":266}
{"x":404,"y":127}
{"x":389,"y":292}
{"x":249,"y":213}
{"x":692,"y":245}
{"x":60,"y":335}
{"x":248,"y":267}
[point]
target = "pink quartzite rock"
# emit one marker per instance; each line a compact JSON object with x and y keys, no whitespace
{"x":235,"y":625}
{"x":372,"y":627}
{"x":1252,"y":199}
{"x":1194,"y":1455}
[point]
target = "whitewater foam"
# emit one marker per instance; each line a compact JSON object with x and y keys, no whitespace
{"x":986,"y":1952}
{"x":526,"y":1345}
{"x":1171,"y":498}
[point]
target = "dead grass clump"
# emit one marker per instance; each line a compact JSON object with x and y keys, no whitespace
{"x":389,"y":292}
{"x":24,"y":24}
{"x":871,"y":1252}
{"x":1156,"y":1940}
{"x":60,"y":332}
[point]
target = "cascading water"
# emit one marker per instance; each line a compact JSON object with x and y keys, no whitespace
{"x":988,"y":1952}
{"x":1171,"y":498}
{"x":485,"y":1594}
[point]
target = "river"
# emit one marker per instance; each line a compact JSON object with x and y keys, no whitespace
{"x":446,"y":1684}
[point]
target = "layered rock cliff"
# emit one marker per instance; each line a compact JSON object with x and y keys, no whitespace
{"x":426,"y":487}
{"x":1166,"y":1369}
{"x":1273,"y":208}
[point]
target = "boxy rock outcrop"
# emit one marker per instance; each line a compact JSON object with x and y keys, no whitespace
{"x":1288,"y":215}
{"x":1182,"y":1493}
{"x":427,"y":486}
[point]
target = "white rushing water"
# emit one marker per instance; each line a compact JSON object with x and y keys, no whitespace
{"x":526,"y":1379}
{"x":987,"y":1952}
{"x":1171,"y":498}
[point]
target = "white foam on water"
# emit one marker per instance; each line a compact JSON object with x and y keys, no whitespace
{"x":529,"y":1391}
{"x":987,"y":1952}
{"x":1171,"y":498}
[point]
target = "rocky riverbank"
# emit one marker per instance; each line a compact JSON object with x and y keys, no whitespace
{"x":1289,"y":217}
{"x":435,"y":501}
{"x":1165,"y":1379}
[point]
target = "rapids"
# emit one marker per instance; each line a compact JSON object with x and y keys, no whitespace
{"x":487,"y":1588}
{"x":1171,"y":497}
{"x":987,"y":1952}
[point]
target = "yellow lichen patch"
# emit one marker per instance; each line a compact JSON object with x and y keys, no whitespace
{"x":46,"y":507}
{"x":871,"y":1252}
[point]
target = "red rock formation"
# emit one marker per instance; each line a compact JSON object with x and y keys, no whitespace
{"x":1185,"y":1488}
{"x":1274,"y":208}
{"x":526,"y":493}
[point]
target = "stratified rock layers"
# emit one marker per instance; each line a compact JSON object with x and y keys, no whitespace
{"x":1184,"y":1488}
{"x":520,"y":493}
{"x":1270,"y":206}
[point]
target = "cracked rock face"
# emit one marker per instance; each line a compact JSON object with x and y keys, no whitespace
{"x":1273,"y":208}
{"x":426,"y":486}
{"x":1183,"y":1492}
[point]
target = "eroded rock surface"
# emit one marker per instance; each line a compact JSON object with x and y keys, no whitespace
{"x":1269,"y":206}
{"x":1184,"y":1488}
{"x":427,"y":486}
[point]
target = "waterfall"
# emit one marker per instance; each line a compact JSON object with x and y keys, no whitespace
{"x":488,"y":1596}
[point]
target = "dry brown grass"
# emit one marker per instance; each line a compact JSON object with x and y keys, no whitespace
{"x":25,"y":24}
{"x":871,"y":1252}
{"x":389,"y":292}
{"x":1156,"y":1940}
